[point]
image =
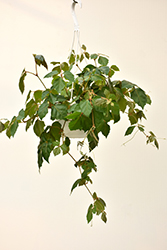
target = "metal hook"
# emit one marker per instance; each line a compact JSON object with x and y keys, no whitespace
{"x":76,"y":25}
{"x":79,"y":2}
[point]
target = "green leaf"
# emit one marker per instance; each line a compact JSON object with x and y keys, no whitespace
{"x":38,"y":95}
{"x":152,"y":138}
{"x":96,"y":78}
{"x":76,"y":124}
{"x":86,"y":55}
{"x":104,"y":69}
{"x":55,"y":131}
{"x":13,"y":128}
{"x":94,"y":56}
{"x":86,"y":107}
{"x":89,"y":215}
{"x":56,"y":143}
{"x":139,"y":96}
{"x":133,"y":117}
{"x":73,"y":115}
{"x":21,"y":81}
{"x":44,"y":148}
{"x":40,"y":158}
{"x":21,"y":115}
{"x":93,"y":140}
{"x":105,"y":129}
{"x":43,"y":109}
{"x":40,"y":60}
{"x":51,"y":74}
{"x":64,"y":148}
{"x":45,"y":93}
{"x":148,"y":100}
{"x":64,"y":66}
{"x":102,"y":201}
{"x":54,"y":63}
{"x":151,"y":133}
{"x":29,"y":123}
{"x":129,"y":130}
{"x":141,"y":128}
{"x":72,"y":59}
{"x":111,"y":73}
{"x":61,"y":98}
{"x":156,"y":143}
{"x":31,"y":108}
{"x":76,"y":183}
{"x":100,"y":104}
{"x":85,"y":174}
{"x":100,"y":206}
{"x":140,"y":114}
{"x":103,"y":60}
{"x":83,"y":47}
{"x":81,"y":122}
{"x":69,"y":76}
{"x":115,"y":112}
{"x":88,"y":68}
{"x":28,"y":96}
{"x":58,"y":84}
{"x":39,"y":127}
{"x":127,"y":84}
{"x":101,"y":120}
{"x":115,"y":68}
{"x":52,"y":98}
{"x":2,"y":127}
{"x":95,"y":196}
{"x":67,"y":141}
{"x":57,"y":68}
{"x":122,"y":102}
{"x":98,"y":118}
{"x":103,"y":217}
{"x":87,"y":164}
{"x":56,"y":151}
{"x":81,"y":57}
{"x":58,"y":111}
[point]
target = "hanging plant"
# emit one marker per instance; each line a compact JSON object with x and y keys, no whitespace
{"x":89,"y":101}
{"x":81,"y":105}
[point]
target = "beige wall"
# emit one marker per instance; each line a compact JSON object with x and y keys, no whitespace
{"x":36,"y":211}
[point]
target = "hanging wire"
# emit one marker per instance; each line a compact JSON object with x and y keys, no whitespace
{"x":76,"y":35}
{"x":76,"y":25}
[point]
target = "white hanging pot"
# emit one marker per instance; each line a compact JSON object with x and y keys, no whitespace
{"x":72,"y":133}
{"x":69,"y":133}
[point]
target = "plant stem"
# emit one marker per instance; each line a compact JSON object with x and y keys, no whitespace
{"x":89,"y":191}
{"x":41,"y":82}
{"x":72,"y":157}
{"x":29,"y":118}
{"x":130,"y":138}
{"x":36,"y":69}
{"x":37,"y":77}
{"x":78,"y":67}
{"x":81,"y":173}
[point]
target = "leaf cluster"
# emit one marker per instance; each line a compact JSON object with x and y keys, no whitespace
{"x":98,"y":208}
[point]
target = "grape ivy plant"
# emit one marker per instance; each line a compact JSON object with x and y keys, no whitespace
{"x":89,"y":101}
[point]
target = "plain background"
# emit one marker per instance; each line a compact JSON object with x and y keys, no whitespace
{"x":36,"y":210}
